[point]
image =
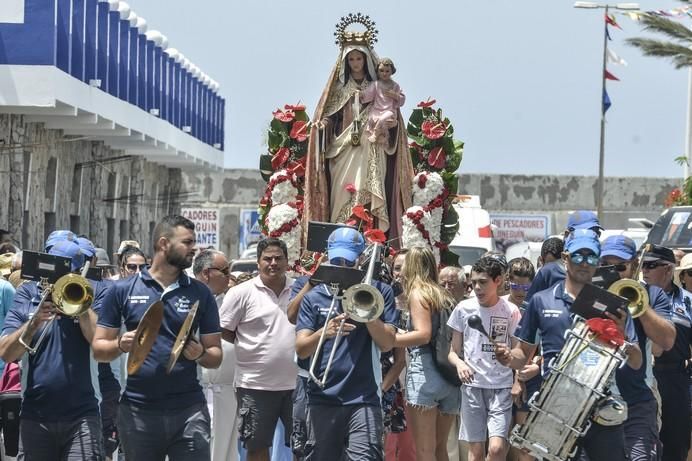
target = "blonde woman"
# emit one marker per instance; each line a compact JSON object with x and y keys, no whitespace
{"x":432,"y":402}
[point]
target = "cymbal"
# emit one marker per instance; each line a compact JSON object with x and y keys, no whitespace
{"x":145,"y":335}
{"x":183,"y":336}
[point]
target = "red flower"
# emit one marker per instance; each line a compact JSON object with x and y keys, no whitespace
{"x":351,"y":222}
{"x":422,"y":179}
{"x":296,"y":108}
{"x":428,"y":103}
{"x":432,"y":130}
{"x":299,"y":131}
{"x":350,"y":188}
{"x":297,"y":167}
{"x":606,"y":330}
{"x":436,"y":203}
{"x":283,"y":116}
{"x":280,"y":158}
{"x":360,"y":212}
{"x":437,"y":158}
{"x":375,"y":235}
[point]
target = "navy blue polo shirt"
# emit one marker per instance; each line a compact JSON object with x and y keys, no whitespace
{"x":58,"y":383}
{"x":546,"y":277}
{"x":298,"y":284}
{"x":633,"y":384}
{"x":681,"y":305}
{"x":128,"y":300}
{"x":107,"y":380}
{"x":548,"y":314}
{"x":356,"y":374}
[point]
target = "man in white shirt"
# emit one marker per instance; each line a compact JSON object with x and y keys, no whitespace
{"x":253,"y":316}
{"x":211,"y":267}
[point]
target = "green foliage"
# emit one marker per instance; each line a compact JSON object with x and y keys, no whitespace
{"x":266,"y":166}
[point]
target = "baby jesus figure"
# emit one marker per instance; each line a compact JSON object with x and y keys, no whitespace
{"x":387,"y":98}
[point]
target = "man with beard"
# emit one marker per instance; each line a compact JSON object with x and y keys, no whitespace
{"x":254,"y":317}
{"x":163,"y":415}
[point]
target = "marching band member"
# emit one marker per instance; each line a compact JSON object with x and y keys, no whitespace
{"x":345,"y":417}
{"x":60,"y":416}
{"x":548,"y":316}
{"x":163,"y":415}
{"x":653,"y":327}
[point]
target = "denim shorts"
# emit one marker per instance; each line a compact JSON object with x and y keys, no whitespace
{"x":425,"y":386}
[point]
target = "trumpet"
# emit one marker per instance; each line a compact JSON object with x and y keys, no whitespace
{"x":633,"y":291}
{"x":361,"y":302}
{"x":72,"y":296}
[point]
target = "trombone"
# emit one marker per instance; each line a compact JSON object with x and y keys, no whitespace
{"x":361,"y":302}
{"x":72,"y":296}
{"x":633,"y":291}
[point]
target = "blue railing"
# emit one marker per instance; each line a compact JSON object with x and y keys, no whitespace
{"x":104,"y":44}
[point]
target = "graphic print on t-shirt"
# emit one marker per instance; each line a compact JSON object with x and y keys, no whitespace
{"x":499,"y":327}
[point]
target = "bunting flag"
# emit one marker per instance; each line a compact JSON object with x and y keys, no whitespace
{"x":610,"y":19}
{"x":613,"y":58}
{"x":608,"y":34}
{"x":610,"y":76}
{"x":606,"y":101}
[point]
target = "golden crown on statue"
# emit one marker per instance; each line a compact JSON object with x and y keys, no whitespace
{"x":345,"y":37}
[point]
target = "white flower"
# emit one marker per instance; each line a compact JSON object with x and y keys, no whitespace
{"x":284,"y":191}
{"x":434,"y":186}
{"x":279,"y":215}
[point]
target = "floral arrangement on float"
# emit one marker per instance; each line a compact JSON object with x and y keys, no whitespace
{"x":283,"y":167}
{"x":432,"y":221}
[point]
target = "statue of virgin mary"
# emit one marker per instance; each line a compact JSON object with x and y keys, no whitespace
{"x":344,"y":168}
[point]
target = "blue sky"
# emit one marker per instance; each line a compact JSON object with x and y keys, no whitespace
{"x":520,"y":81}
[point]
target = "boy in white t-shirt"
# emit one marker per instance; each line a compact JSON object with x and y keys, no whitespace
{"x":486,"y":399}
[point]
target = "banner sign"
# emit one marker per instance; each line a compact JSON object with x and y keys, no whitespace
{"x":249,"y":229}
{"x":509,"y":228}
{"x":206,"y":225}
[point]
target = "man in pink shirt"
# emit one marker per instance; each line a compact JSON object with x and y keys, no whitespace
{"x":253,"y":316}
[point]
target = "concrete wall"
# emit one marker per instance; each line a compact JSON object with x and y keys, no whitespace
{"x":49,"y":181}
{"x":623,"y":197}
{"x":233,"y":190}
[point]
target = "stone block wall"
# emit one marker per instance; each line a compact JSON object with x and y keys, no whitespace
{"x":233,"y":190}
{"x":50,"y":181}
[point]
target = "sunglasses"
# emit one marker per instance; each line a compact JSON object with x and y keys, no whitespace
{"x":578,"y":258}
{"x":653,"y":265}
{"x":224,"y":270}
{"x":135,"y":267}
{"x":618,"y":267}
{"x":519,"y":286}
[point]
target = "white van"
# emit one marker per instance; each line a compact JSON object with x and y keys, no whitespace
{"x":475,"y":236}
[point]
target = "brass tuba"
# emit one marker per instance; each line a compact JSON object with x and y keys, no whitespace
{"x":633,"y":291}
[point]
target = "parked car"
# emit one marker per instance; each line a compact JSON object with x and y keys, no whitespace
{"x":244,"y":265}
{"x":673,"y":229}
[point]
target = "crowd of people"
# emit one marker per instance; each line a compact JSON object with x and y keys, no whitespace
{"x":277,"y":369}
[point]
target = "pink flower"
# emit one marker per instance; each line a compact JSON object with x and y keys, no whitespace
{"x":350,"y":188}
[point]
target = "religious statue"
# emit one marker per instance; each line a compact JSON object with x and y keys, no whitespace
{"x":348,"y":165}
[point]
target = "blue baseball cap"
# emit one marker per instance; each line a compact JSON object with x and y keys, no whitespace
{"x":582,"y":219}
{"x":345,"y":243}
{"x":70,"y":250}
{"x":58,"y":236}
{"x":583,"y":239}
{"x":86,"y":246}
{"x":620,"y":246}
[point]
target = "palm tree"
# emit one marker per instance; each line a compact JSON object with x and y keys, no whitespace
{"x":678,"y":48}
